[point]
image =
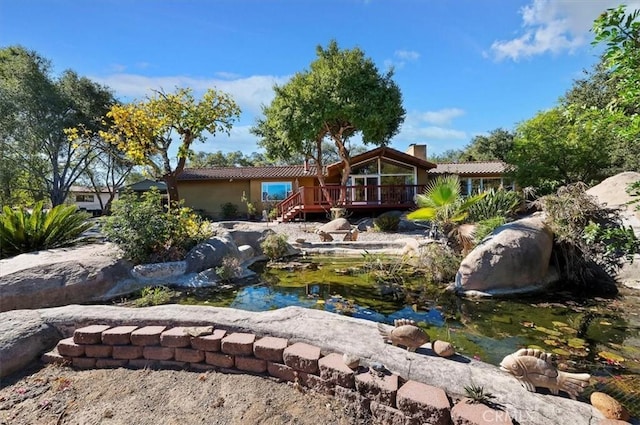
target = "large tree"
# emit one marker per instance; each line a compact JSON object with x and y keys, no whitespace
{"x":36,"y":110}
{"x":342,"y":94}
{"x":495,"y":146}
{"x":558,"y":147}
{"x":145,"y":130}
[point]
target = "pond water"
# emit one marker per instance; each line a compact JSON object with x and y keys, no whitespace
{"x":600,"y":336}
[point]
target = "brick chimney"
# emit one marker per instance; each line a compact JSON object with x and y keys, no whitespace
{"x":419,"y":151}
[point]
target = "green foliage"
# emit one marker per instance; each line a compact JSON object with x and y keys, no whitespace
{"x":585,"y":234}
{"x":230,"y":269}
{"x":486,"y":226}
{"x":386,"y":270}
{"x":153,"y":295}
{"x":386,"y":223}
{"x":275,"y":246}
{"x":477,"y":394}
{"x":500,"y":202}
{"x":634,"y":191}
{"x":229,"y":211}
{"x":147,"y":232}
{"x":439,"y":263}
{"x":442,"y":203}
{"x":23,"y":231}
{"x":251,"y":209}
{"x":559,"y":147}
{"x":495,"y":146}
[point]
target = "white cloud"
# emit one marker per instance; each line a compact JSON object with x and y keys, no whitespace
{"x":440,"y":117}
{"x":400,"y":58}
{"x":250,"y":92}
{"x":553,"y":26}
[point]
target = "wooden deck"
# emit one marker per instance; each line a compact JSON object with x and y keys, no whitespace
{"x":354,"y":198}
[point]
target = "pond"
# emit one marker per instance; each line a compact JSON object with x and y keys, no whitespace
{"x":601,"y":336}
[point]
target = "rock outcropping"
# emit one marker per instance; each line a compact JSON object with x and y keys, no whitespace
{"x":513,"y":259}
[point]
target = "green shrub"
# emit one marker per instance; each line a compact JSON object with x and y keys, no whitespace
{"x":439,"y":263}
{"x":496,"y":203}
{"x":634,"y":191}
{"x":229,"y":211}
{"x":155,"y":295}
{"x":147,"y":232}
{"x":24,"y":231}
{"x":230,"y":269}
{"x":485,"y":227}
{"x":386,"y":223}
{"x":275,"y":246}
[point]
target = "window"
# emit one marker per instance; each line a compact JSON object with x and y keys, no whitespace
{"x":275,"y":191}
{"x":84,"y":198}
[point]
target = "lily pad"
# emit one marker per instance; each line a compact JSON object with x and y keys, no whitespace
{"x":536,"y":347}
{"x":568,"y":331}
{"x":548,"y":331}
{"x":576,"y":343}
{"x":551,"y":342}
{"x":560,"y":324}
{"x":608,"y":355}
{"x":561,"y":352}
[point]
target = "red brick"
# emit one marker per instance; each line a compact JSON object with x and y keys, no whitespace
{"x":175,"y":337}
{"x":120,"y":335}
{"x":189,"y":355}
{"x":238,"y":344}
{"x":98,"y":350}
{"x":68,"y":348}
{"x":219,"y":359}
{"x":281,"y":371}
{"x":89,"y":334}
{"x":126,"y":352}
{"x":149,"y":335}
{"x":333,"y":369}
{"x":355,"y":399}
{"x":378,"y":388}
{"x":143,"y":364}
{"x":251,"y":364}
{"x":382,"y":414}
{"x":315,"y":383}
{"x":478,"y":414}
{"x":53,"y":357}
{"x":84,"y":362}
{"x":270,"y":348}
{"x":209,"y":342}
{"x":424,"y":402}
{"x":111,"y":363}
{"x":158,"y":353}
{"x":302,"y":357}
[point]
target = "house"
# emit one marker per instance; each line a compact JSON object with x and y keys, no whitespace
{"x":478,"y":176}
{"x":144,"y":186}
{"x":381,"y":179}
{"x":87,"y":199}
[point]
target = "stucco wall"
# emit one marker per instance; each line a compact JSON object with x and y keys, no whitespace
{"x":209,"y":196}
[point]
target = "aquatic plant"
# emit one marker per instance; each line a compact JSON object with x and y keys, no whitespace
{"x":275,"y":246}
{"x":229,"y":269}
{"x":153,"y":295}
{"x":477,"y":394}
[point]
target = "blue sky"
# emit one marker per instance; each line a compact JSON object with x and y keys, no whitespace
{"x":465,"y":67}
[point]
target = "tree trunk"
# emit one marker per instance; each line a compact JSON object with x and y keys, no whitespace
{"x":172,"y":188}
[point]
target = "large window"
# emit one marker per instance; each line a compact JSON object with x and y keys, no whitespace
{"x":275,"y":191}
{"x":84,"y":198}
{"x":472,"y":186}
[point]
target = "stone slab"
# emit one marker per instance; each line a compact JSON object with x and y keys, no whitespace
{"x":120,"y":335}
{"x":89,"y":334}
{"x":209,"y":342}
{"x":302,"y":356}
{"x":238,"y":343}
{"x":270,"y":348}
{"x":148,"y":335}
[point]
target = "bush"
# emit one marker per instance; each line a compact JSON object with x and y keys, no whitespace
{"x":156,"y":295}
{"x":149,"y":233}
{"x":586,"y":235}
{"x":23,"y":231}
{"x":229,"y":211}
{"x":485,"y":227}
{"x":386,"y":223}
{"x":439,"y":262}
{"x":275,"y":246}
{"x":229,"y":269}
{"x":496,"y":203}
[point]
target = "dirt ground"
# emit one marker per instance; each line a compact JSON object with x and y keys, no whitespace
{"x":55,"y":395}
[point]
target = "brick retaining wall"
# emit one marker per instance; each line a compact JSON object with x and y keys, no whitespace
{"x":387,"y":398}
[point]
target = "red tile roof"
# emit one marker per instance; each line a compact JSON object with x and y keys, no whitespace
{"x":225,"y":173}
{"x":471,"y":168}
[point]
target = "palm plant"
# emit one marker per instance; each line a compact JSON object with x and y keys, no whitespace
{"x":443,"y":204}
{"x":24,"y":231}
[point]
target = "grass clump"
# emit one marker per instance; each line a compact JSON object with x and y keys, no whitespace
{"x":153,"y":295}
{"x":386,"y":223}
{"x":275,"y":246}
{"x":229,"y":270}
{"x":27,"y":231}
{"x":477,"y":395}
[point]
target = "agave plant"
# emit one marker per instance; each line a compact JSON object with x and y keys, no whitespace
{"x":496,"y":203}
{"x":24,"y":231}
{"x":443,"y":204}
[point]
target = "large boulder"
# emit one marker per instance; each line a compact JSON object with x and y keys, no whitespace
{"x":251,"y":237}
{"x":210,"y":253}
{"x":60,"y":276}
{"x":513,"y":259}
{"x":335,"y":225}
{"x":24,"y":336}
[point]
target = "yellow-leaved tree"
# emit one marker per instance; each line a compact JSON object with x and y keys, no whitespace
{"x":145,"y":130}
